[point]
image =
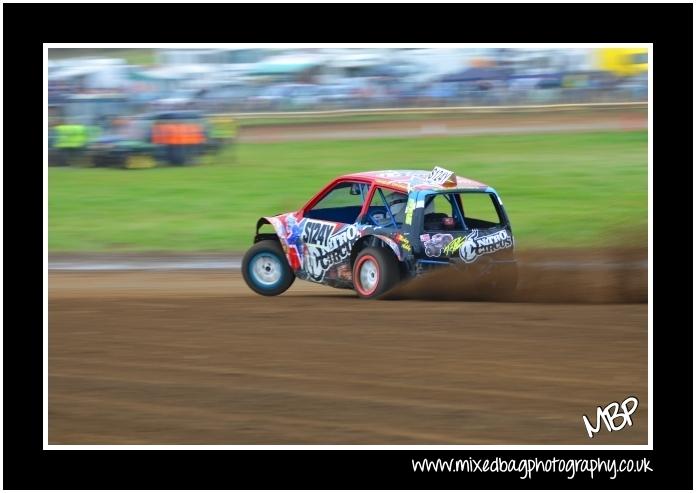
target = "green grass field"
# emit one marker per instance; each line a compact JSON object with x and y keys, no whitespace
{"x":563,"y":190}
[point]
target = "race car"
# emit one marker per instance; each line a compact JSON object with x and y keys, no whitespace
{"x":370,"y":231}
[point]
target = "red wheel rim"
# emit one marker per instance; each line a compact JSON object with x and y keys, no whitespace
{"x":356,"y":275}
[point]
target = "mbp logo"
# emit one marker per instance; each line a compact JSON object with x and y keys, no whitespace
{"x":611,"y":413}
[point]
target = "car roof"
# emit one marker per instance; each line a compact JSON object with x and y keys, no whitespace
{"x":409,"y":179}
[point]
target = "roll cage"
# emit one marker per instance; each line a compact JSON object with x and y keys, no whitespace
{"x":451,"y":195}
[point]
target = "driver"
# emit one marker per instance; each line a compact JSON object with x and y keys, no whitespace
{"x":397,"y":206}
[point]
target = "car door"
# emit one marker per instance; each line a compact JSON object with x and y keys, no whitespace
{"x":329,"y":231}
{"x":443,"y":230}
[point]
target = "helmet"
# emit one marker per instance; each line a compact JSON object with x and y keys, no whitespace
{"x":397,"y":205}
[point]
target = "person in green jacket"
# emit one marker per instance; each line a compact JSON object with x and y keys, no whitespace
{"x":70,"y":142}
{"x":70,"y":139}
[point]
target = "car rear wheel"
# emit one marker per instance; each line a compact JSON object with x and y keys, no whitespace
{"x":375,"y":272}
{"x":266,"y":270}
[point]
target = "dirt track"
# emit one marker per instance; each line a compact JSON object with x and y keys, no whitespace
{"x":195,"y":358}
{"x":454,"y":125}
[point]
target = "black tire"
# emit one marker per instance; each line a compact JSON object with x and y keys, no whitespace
{"x":276,"y":264}
{"x":387,"y":272}
{"x":56,"y":158}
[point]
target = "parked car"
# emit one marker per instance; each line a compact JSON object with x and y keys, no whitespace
{"x":370,"y":231}
{"x":228,"y":97}
{"x":270,"y":98}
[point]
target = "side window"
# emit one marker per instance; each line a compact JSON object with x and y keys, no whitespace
{"x":342,"y":204}
{"x":460,"y":211}
{"x":387,"y":208}
{"x":441,"y":213}
{"x":480,"y":210}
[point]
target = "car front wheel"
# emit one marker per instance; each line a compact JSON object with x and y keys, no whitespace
{"x":266,"y":270}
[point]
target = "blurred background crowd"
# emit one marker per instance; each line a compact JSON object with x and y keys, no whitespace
{"x":253,"y":80}
{"x":168,"y":97}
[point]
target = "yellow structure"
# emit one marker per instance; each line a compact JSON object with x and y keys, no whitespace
{"x":623,"y":62}
{"x":140,"y":161}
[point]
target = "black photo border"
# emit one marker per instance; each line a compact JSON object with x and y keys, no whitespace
{"x":27,"y":26}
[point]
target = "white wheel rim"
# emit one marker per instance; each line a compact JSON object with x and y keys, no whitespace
{"x":267,"y":269}
{"x":369,"y":276}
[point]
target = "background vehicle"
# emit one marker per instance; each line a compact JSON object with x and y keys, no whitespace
{"x":124,"y":144}
{"x":173,"y":138}
{"x":369,"y":231}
